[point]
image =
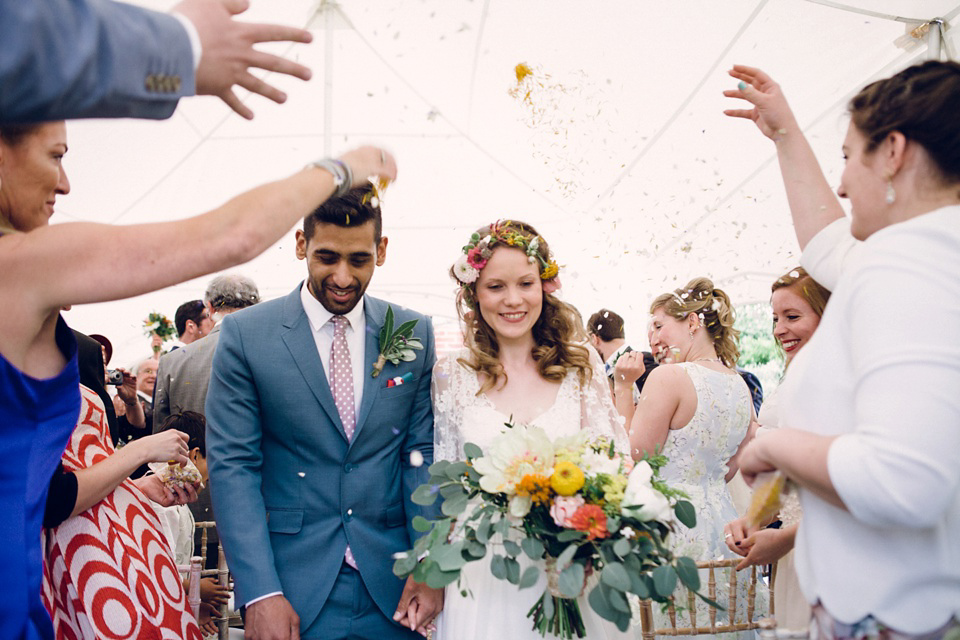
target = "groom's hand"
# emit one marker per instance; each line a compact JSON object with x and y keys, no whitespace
{"x":418,"y":606}
{"x":272,"y":619}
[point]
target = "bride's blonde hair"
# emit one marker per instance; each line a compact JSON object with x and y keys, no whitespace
{"x":558,"y":333}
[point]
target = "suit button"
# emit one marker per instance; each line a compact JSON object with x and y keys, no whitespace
{"x":348,"y":516}
{"x":349,"y":467}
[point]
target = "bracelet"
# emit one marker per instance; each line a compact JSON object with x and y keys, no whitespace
{"x":341,"y":172}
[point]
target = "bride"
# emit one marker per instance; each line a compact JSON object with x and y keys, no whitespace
{"x":524,"y":361}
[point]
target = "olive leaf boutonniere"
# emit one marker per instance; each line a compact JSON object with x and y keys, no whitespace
{"x":396,"y":346}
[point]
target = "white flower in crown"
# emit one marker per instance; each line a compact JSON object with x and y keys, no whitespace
{"x":465,"y":273}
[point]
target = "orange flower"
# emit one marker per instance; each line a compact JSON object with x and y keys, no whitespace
{"x":591,"y":519}
{"x":536,"y":486}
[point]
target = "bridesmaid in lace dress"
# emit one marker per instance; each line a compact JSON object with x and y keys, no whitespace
{"x":698,"y":413}
{"x":798,"y":303}
{"x":524,"y":361}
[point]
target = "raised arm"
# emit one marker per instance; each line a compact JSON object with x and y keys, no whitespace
{"x":75,"y":263}
{"x":813,"y":204}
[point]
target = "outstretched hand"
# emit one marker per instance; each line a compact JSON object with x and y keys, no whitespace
{"x":770,"y":111}
{"x":418,"y":606}
{"x":228,"y":53}
{"x":370,"y":162}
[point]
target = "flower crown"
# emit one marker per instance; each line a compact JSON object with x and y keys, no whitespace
{"x":477,"y":252}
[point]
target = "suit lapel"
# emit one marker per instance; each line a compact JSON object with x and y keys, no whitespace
{"x":298,"y":337}
{"x":374,"y":311}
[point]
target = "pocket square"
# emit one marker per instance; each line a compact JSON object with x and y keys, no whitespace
{"x":399,"y":380}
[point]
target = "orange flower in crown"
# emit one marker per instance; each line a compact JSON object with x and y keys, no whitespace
{"x":478,"y":250}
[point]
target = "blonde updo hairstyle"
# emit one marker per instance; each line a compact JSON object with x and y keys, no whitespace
{"x":558,"y":333}
{"x":713,"y":307}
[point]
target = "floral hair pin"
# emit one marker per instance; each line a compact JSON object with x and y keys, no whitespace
{"x":477,"y":252}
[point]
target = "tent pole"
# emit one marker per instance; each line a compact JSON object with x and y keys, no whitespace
{"x":328,"y":10}
{"x":934,"y":38}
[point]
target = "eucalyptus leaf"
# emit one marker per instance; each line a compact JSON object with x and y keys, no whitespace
{"x":472,"y":451}
{"x":449,"y":557}
{"x":570,"y":582}
{"x":664,"y":580}
{"x":425,"y":495}
{"x":454,"y":505}
{"x":483,"y":530}
{"x":640,"y":584}
{"x":687,"y":571}
{"x":421,"y":524}
{"x":512,"y":548}
{"x":570,"y":534}
{"x":529,"y":577}
{"x":404,"y":566}
{"x":408,"y":355}
{"x":566,"y":556}
{"x":498,"y":567}
{"x":600,"y":604}
{"x":548,"y":604}
{"x":532,"y":547}
{"x":406,"y":329}
{"x":456,"y":470}
{"x":451,"y":490}
{"x":475,"y":550}
{"x":622,"y":547}
{"x":618,"y":600}
{"x":513,"y":570}
{"x":686,"y":513}
{"x":614,"y":575}
{"x":438,"y":579}
{"x":437,"y":468}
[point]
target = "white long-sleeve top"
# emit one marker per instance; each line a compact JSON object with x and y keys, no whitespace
{"x":882,"y":372}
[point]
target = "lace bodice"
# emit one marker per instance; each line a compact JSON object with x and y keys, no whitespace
{"x":461,"y":416}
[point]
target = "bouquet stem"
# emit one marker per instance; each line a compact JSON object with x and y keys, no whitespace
{"x":566,"y":621}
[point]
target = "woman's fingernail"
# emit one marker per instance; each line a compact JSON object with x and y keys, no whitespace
{"x":737,"y":543}
{"x":742,"y":86}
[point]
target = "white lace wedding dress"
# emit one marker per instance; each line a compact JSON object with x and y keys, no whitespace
{"x":697,"y":455}
{"x":494,"y":608}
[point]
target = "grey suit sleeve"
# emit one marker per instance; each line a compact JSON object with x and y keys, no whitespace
{"x":90,"y":58}
{"x":420,"y":438}
{"x":161,"y":394}
{"x":235,"y":459}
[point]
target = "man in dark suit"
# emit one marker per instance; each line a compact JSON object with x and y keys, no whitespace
{"x":606,"y":333}
{"x":313,"y":459}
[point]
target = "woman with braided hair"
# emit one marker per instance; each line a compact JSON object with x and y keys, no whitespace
{"x":696,"y":411}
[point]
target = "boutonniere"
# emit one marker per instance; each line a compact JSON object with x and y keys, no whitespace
{"x":396,"y":346}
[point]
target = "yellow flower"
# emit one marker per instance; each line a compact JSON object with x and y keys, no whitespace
{"x":567,"y":478}
{"x":550,"y":271}
{"x":536,"y":486}
{"x":522,"y":70}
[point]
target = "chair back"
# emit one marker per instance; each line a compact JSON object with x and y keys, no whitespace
{"x":728,"y":571}
{"x":222,"y":574}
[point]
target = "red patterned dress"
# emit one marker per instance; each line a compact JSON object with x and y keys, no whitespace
{"x":108,"y":572}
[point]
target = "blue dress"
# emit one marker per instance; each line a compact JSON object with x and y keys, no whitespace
{"x":36,"y":420}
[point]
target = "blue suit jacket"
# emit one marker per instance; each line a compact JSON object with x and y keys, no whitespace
{"x":90,"y":58}
{"x":288,"y":490}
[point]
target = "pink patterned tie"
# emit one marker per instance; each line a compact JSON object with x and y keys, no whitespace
{"x":341,"y":379}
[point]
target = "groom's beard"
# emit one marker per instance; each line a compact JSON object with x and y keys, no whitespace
{"x":323,"y":292}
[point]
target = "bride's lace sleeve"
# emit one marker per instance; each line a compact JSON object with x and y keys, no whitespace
{"x":447,"y":410}
{"x":597,"y":412}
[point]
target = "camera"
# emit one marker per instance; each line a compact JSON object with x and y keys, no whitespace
{"x":114,"y":376}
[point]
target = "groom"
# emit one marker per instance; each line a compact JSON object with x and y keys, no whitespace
{"x":312,"y":459}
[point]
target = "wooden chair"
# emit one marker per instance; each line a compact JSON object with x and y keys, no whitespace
{"x":711,"y":626}
{"x":223,"y":577}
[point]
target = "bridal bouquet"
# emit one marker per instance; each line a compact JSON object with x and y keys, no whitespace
{"x":588,"y":512}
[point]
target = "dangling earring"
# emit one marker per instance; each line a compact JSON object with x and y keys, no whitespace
{"x":691,"y":334}
{"x":891,"y":194}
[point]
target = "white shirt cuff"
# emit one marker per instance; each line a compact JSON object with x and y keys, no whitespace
{"x":194,"y":37}
{"x":264,"y":597}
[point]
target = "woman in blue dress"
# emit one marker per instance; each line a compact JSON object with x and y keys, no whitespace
{"x":46,"y":268}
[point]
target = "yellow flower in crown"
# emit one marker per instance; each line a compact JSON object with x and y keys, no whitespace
{"x":550,"y":271}
{"x":567,"y":478}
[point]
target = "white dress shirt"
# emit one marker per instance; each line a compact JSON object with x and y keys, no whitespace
{"x":882,"y":373}
{"x":320,"y":323}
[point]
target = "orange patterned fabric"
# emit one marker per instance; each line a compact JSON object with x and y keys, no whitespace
{"x":108,"y":572}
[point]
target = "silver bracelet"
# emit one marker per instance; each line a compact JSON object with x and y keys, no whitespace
{"x":341,"y":172}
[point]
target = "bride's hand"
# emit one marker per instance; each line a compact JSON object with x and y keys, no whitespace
{"x":770,"y":111}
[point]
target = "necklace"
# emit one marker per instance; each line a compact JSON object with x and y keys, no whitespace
{"x":706,"y":360}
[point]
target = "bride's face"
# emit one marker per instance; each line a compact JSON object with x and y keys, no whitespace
{"x":509,"y":294}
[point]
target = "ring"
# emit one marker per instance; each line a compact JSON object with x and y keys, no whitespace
{"x":729,"y":535}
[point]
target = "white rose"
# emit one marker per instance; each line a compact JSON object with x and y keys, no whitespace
{"x":643,"y":502}
{"x":593,"y":463}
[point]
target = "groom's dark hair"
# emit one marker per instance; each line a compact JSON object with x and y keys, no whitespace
{"x":357,"y":207}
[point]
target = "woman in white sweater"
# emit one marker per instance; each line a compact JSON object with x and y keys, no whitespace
{"x":872,"y":400}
